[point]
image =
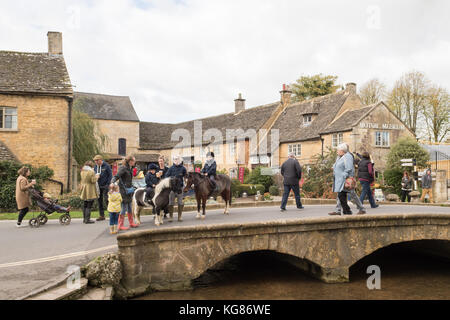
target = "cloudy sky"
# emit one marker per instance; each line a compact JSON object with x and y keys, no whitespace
{"x":185,"y":59}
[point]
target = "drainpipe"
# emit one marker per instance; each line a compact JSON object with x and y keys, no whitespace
{"x":322,"y":139}
{"x":60,"y":183}
{"x":69,"y":152}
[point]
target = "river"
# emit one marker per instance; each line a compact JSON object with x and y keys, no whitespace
{"x":405,"y":274}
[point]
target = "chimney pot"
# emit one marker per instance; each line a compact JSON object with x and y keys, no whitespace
{"x":239,"y":104}
{"x":285,"y":95}
{"x":351,"y":87}
{"x":54,"y":42}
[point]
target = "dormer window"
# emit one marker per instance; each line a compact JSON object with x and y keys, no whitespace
{"x":307,"y":119}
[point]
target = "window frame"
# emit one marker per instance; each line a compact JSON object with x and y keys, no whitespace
{"x":384,"y":141}
{"x":296,"y":148}
{"x":124,"y":146}
{"x":307,"y":119}
{"x":14,"y":118}
{"x":339,"y":139}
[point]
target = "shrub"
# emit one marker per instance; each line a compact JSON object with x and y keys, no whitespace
{"x":256,"y":177}
{"x":73,"y":200}
{"x":8,"y":177}
{"x":392,"y":181}
{"x":319,"y":178}
{"x":258,"y":187}
{"x":274,"y":191}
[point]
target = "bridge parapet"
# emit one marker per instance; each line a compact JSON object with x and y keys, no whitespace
{"x":326,"y":247}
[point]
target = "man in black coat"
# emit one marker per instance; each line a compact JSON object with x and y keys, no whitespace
{"x":292,"y":173}
{"x":104,"y":171}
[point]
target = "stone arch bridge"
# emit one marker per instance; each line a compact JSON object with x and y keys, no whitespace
{"x":170,"y":258}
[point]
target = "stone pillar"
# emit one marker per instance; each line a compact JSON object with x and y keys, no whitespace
{"x":440,"y":187}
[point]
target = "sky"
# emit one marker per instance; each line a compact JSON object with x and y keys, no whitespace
{"x":181,"y":60}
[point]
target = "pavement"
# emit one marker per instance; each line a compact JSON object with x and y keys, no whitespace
{"x":30,"y":258}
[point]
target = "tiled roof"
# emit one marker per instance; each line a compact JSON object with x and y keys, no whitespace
{"x":290,"y":123}
{"x":39,"y":73}
{"x":157,"y":136}
{"x":6,"y":154}
{"x":106,"y":107}
{"x":348,"y":120}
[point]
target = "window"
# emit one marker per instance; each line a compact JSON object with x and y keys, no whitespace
{"x":307,"y":118}
{"x":338,"y":138}
{"x":382,"y":139}
{"x":232,"y":149}
{"x":123,"y":147}
{"x":8,"y":118}
{"x":296,"y":149}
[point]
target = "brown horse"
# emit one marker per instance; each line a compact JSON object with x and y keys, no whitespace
{"x":203,"y":189}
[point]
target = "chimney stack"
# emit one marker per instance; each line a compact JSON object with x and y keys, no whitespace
{"x":54,"y":42}
{"x":351,"y":87}
{"x":286,"y":94}
{"x":239,"y":104}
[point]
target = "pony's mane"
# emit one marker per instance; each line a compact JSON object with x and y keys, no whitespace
{"x":164,"y":184}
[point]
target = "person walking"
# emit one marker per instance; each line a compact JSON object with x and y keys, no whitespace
{"x":366,"y":176}
{"x":406,"y":186}
{"x":342,"y":169}
{"x":292,"y":173}
{"x":427,"y":182}
{"x":179,"y":171}
{"x":105,"y":172}
{"x":89,"y":191}
{"x":22,"y":193}
{"x":114,"y":208}
{"x":124,"y":179}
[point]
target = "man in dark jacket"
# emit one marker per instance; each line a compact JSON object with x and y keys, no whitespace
{"x":427,"y":181}
{"x":104,"y":171}
{"x":178,"y":171}
{"x":292,"y":173}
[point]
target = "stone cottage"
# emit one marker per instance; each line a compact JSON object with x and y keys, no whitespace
{"x":36,"y":99}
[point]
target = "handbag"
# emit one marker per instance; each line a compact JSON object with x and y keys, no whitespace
{"x":350,"y":183}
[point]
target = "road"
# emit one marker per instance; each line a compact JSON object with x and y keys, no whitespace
{"x":30,"y":258}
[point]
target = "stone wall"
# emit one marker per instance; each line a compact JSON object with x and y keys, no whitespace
{"x":42,"y":135}
{"x":116,"y":130}
{"x":169,"y":259}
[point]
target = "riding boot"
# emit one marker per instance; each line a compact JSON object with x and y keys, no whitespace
{"x":180,"y":212}
{"x":170,"y":213}
{"x":121,"y":221}
{"x":130,"y":221}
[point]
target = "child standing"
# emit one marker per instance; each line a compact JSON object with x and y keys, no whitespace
{"x":114,"y":207}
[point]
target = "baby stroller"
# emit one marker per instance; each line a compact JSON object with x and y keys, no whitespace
{"x":48,"y":207}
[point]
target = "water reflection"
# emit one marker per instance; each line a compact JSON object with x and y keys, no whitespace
{"x":263,"y":275}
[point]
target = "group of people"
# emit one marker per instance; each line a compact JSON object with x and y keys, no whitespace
{"x":98,"y":183}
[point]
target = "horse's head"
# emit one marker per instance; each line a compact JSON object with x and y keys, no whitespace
{"x":189,"y":181}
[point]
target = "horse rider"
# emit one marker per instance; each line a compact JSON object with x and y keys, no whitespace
{"x":151,"y":180}
{"x":209,"y":170}
{"x":179,"y":171}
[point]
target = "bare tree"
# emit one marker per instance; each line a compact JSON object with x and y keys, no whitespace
{"x":409,"y":97}
{"x":436,"y":113}
{"x":372,"y":91}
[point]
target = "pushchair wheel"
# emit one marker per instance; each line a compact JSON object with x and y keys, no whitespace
{"x":34,"y":223}
{"x":65,"y":219}
{"x":42,"y":219}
